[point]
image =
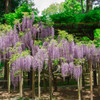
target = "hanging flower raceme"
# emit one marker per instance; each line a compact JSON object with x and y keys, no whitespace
{"x":34,"y":50}
{"x":77,"y":72}
{"x":53,"y":50}
{"x":64,"y":69}
{"x":65,"y":47}
{"x":98,"y":54}
{"x":39,"y":58}
{"x":14,"y":79}
{"x":29,"y":32}
{"x":8,"y":39}
{"x":56,"y":53}
{"x":71,"y":47}
{"x":45,"y":32}
{"x":26,"y":62}
{"x":27,"y":22}
{"x":66,"y":50}
{"x":24,"y":24}
{"x":0,"y":58}
{"x":85,"y":50}
{"x":78,"y":52}
{"x":4,"y":42}
{"x":71,"y":51}
{"x":92,"y":50}
{"x":71,"y":68}
{"x":89,"y":50}
{"x":67,"y":69}
{"x":45,"y":44}
{"x":20,"y":61}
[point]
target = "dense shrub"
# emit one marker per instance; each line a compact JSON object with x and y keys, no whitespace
{"x":92,"y":16}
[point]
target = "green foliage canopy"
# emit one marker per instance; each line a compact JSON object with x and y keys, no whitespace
{"x":72,"y":6}
{"x":18,"y":15}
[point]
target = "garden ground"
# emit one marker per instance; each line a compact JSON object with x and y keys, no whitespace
{"x":63,"y":93}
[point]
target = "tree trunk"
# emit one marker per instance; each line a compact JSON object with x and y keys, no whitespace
{"x":99,"y":79}
{"x":82,"y":6}
{"x":81,"y":83}
{"x":79,"y":92}
{"x":83,"y":76}
{"x":91,"y":78}
{"x":6,"y":6}
{"x":9,"y":82}
{"x":50,"y":79}
{"x":33,"y":84}
{"x":10,"y":5}
{"x":5,"y":73}
{"x":81,"y":86}
{"x":54,"y":81}
{"x":21,"y":85}
{"x":39,"y":84}
{"x":88,"y":5}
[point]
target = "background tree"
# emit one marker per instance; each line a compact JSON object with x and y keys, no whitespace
{"x":82,"y":6}
{"x":88,"y":5}
{"x":11,"y":18}
{"x":9,"y":6}
{"x":54,"y":9}
{"x":72,"y":6}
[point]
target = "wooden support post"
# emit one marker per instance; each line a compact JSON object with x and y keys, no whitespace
{"x":79,"y":92}
{"x":39,"y":84}
{"x":99,"y":79}
{"x":9,"y":79}
{"x":50,"y":80}
{"x":91,"y":78}
{"x":21,"y":84}
{"x":33,"y":84}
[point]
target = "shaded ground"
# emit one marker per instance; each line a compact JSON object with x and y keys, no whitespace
{"x":63,"y":93}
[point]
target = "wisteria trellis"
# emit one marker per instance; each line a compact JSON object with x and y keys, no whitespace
{"x":65,"y":51}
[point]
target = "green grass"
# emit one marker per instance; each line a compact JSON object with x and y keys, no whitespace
{"x":71,"y":82}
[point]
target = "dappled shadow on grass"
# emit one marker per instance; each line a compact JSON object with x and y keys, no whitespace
{"x":67,"y":93}
{"x":6,"y":96}
{"x":86,"y":93}
{"x":63,"y":93}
